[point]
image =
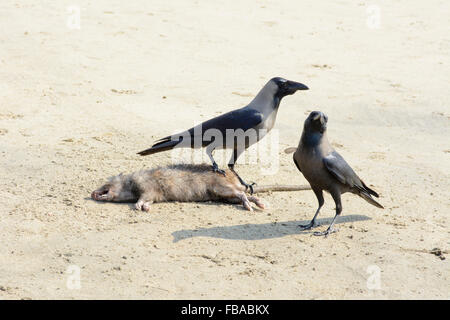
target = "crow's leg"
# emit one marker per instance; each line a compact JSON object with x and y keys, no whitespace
{"x":245,"y":184}
{"x":209,"y":152}
{"x":312,"y":224}
{"x":236,"y":153}
{"x":337,"y":199}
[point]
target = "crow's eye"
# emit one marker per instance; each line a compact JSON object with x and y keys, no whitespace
{"x":282,"y":83}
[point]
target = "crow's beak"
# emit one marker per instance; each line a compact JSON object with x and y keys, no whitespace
{"x":323,"y":122}
{"x":297,"y":86}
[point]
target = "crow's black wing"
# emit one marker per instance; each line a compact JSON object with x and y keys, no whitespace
{"x":244,"y":119}
{"x":339,"y":168}
{"x":237,"y":119}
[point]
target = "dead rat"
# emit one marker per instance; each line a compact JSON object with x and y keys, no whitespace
{"x":184,"y":183}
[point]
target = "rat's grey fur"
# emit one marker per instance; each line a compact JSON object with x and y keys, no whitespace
{"x":183,"y":183}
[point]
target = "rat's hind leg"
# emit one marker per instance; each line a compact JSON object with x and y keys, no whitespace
{"x":233,"y":194}
{"x":256,"y":201}
{"x":245,"y":202}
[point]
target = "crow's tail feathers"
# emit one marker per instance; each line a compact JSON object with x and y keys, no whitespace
{"x":370,"y":191}
{"x":163,"y":144}
{"x":366,"y":196}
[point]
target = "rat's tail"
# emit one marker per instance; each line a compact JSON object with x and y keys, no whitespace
{"x":276,"y":187}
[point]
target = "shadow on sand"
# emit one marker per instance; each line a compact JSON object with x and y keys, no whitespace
{"x":260,"y":231}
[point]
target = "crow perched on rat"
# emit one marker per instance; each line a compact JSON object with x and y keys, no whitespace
{"x":325,"y":169}
{"x":237,"y":129}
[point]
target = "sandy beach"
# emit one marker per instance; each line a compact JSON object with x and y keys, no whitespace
{"x":87,"y":84}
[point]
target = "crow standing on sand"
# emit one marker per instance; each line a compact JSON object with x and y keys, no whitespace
{"x":325,"y":169}
{"x":237,"y":129}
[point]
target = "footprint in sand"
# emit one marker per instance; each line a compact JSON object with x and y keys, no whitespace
{"x":377,"y":155}
{"x":10,"y":115}
{"x":124,"y":91}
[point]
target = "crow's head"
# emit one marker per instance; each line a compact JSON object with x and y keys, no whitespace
{"x":316,"y":122}
{"x":286,"y":87}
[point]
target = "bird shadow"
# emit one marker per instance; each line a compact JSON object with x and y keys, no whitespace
{"x":251,"y":231}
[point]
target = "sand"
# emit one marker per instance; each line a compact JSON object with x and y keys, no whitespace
{"x":76,"y":104}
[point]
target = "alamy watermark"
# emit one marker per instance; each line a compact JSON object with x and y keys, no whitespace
{"x":73,"y":281}
{"x":374,"y":280}
{"x":74,"y":17}
{"x":373,"y":16}
{"x":247,"y":146}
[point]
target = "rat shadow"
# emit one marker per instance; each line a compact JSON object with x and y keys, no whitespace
{"x":262,"y":231}
{"x":131,"y":205}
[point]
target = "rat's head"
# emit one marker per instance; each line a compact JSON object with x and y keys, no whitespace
{"x":285,"y":87}
{"x":316,"y":122}
{"x":118,"y":189}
